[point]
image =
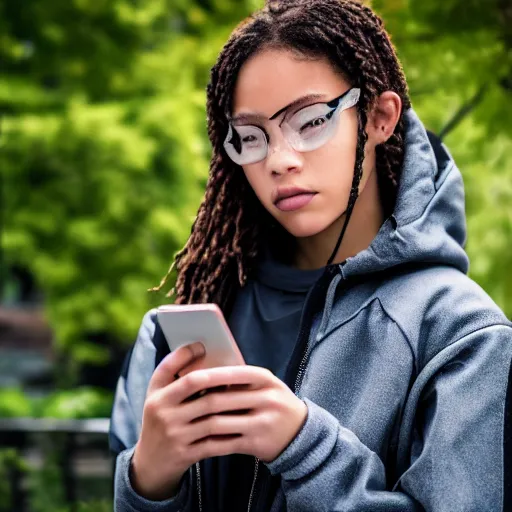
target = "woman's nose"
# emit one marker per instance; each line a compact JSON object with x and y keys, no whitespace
{"x":282,"y":159}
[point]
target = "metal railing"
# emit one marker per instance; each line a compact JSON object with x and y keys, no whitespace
{"x":75,"y":437}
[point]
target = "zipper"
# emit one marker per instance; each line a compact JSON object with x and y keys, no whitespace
{"x":298,"y":380}
{"x":302,"y":367}
{"x":327,"y":312}
{"x":251,"y":495}
{"x":306,"y":321}
{"x":199,"y":490}
{"x":300,"y":373}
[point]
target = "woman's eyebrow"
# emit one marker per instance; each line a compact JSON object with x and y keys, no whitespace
{"x":297,"y":103}
{"x":256,"y":117}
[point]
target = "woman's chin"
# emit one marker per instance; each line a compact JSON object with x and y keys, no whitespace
{"x":304,"y":229}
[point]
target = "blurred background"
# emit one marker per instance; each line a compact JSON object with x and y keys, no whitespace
{"x":104,"y":158}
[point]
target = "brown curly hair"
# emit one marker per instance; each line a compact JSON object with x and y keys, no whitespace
{"x":231,"y":226}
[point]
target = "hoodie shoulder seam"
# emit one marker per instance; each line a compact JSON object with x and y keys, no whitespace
{"x":459,"y":338}
{"x":448,"y":347}
{"x":367,"y":304}
{"x":402,"y":330}
{"x":471,"y":333}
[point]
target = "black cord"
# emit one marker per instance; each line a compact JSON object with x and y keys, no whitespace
{"x":353,"y":190}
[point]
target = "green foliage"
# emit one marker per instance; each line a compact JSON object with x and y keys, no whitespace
{"x":78,"y":403}
{"x":14,"y":403}
{"x":104,"y":232}
{"x":9,"y":461}
{"x":95,"y":506}
{"x":45,"y":485}
{"x":104,"y":152}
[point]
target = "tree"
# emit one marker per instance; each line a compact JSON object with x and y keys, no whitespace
{"x":104,"y":153}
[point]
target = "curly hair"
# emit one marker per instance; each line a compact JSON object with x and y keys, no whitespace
{"x":231,"y":226}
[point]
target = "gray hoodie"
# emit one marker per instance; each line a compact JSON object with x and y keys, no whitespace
{"x":404,"y":364}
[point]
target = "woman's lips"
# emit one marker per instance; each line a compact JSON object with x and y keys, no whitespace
{"x":295,"y":202}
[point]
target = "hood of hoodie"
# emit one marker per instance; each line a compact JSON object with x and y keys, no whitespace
{"x":428,"y":224}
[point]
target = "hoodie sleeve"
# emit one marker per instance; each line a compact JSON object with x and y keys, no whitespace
{"x":126,"y":421}
{"x":454,"y":449}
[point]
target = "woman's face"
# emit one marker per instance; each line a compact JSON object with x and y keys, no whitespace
{"x":267,"y":83}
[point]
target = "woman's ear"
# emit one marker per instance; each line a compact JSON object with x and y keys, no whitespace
{"x":384,"y":117}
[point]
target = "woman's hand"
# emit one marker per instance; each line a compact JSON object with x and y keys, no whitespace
{"x":256,"y":415}
{"x":160,"y":458}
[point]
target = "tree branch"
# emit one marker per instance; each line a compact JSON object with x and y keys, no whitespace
{"x":506,"y":83}
{"x":464,"y":111}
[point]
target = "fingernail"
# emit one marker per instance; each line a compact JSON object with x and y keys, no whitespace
{"x":197,"y":349}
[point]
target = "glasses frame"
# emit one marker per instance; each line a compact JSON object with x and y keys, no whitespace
{"x":347,"y":100}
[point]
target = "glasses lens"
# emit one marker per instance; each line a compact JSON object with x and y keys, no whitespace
{"x":246,"y":144}
{"x":311,"y":127}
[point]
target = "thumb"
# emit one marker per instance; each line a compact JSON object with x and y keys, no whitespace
{"x":173,"y":363}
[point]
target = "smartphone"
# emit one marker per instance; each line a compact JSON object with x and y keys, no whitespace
{"x":186,"y":324}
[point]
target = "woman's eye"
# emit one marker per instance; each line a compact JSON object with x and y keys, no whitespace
{"x":315,"y":123}
{"x":249,"y":138}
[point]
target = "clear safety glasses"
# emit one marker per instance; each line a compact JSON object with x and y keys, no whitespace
{"x":306,"y":130}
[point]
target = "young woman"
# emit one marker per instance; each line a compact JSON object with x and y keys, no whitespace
{"x":331,"y":234}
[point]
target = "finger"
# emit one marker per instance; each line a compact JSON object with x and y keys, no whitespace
{"x":223,"y":402}
{"x":218,"y":446}
{"x":252,"y":376}
{"x":219,"y":425}
{"x":173,"y":363}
